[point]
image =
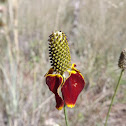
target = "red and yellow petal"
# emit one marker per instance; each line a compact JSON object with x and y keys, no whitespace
{"x":59,"y":102}
{"x":54,"y":81}
{"x":72,"y":87}
{"x":51,"y":70}
{"x":73,"y":68}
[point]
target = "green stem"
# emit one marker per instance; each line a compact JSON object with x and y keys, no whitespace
{"x":65,"y":113}
{"x":113,"y":96}
{"x":65,"y":110}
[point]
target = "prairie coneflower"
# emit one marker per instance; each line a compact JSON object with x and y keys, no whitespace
{"x":122,"y":66}
{"x":61,"y":62}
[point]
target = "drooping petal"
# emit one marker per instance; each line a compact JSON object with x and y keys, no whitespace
{"x":59,"y":102}
{"x":54,"y":81}
{"x":72,"y":87}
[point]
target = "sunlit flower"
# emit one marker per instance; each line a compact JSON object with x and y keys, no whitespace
{"x":72,"y":85}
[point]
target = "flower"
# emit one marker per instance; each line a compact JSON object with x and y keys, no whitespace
{"x":55,"y":78}
{"x":122,"y":60}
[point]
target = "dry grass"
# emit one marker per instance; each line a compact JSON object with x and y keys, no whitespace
{"x":97,"y":33}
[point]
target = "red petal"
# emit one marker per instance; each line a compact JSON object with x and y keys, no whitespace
{"x":72,"y":88}
{"x":59,"y":102}
{"x":54,"y":81}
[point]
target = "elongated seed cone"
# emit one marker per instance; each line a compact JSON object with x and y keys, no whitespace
{"x":59,"y":52}
{"x":122,"y":60}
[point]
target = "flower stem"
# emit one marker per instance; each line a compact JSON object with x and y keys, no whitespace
{"x":65,"y":113}
{"x":65,"y":109}
{"x":113,"y":96}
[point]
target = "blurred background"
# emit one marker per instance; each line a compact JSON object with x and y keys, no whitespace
{"x":96,"y":31}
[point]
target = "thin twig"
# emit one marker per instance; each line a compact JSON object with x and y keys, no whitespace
{"x":45,"y":102}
